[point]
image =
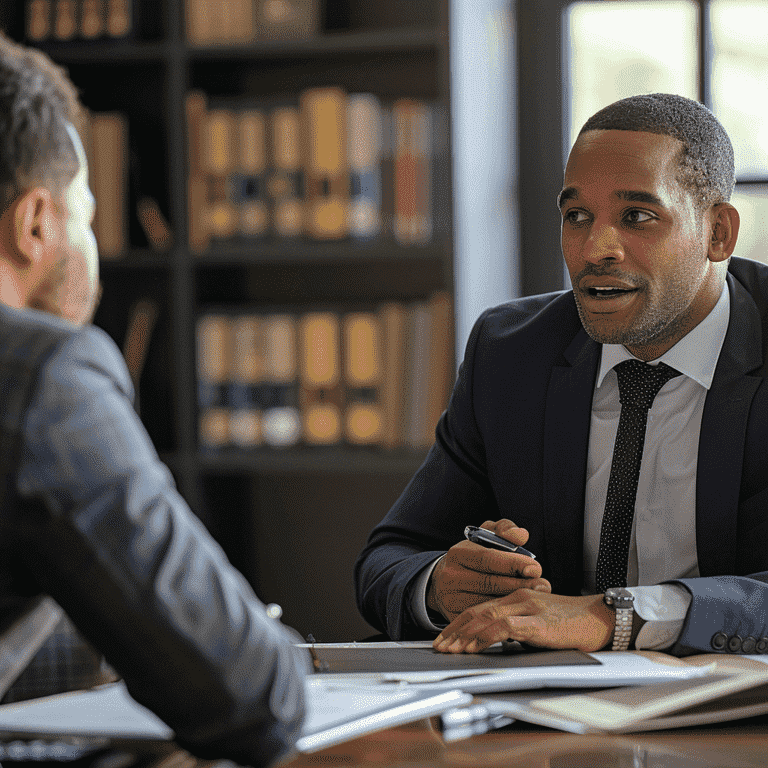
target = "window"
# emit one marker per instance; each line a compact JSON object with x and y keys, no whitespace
{"x":715,"y":51}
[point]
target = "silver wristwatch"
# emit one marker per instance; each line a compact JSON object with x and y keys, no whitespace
{"x":621,"y":600}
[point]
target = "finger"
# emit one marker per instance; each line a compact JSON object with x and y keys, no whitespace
{"x":482,"y":614}
{"x":475,"y":557}
{"x":510,"y":531}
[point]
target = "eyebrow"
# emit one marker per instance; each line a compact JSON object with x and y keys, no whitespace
{"x":634,"y":196}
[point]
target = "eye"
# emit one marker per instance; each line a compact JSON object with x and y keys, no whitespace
{"x":636,"y":216}
{"x":575,"y":216}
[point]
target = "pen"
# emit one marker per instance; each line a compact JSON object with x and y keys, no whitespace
{"x":489,"y":539}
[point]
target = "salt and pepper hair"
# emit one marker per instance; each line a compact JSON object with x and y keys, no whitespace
{"x":705,"y":160}
{"x":37,"y":101}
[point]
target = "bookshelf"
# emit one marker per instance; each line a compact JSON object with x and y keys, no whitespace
{"x":292,"y":519}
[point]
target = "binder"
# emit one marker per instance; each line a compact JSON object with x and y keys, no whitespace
{"x":92,"y":19}
{"x":119,"y":18}
{"x":218,"y":160}
{"x":320,"y":378}
{"x":214,"y":361}
{"x":364,"y":145}
{"x":65,"y":21}
{"x":327,"y":176}
{"x":247,"y":375}
{"x":249,"y":182}
{"x":39,"y":20}
{"x":363,"y":373}
{"x":197,"y":192}
{"x":394,"y":383}
{"x":286,"y":178}
{"x":281,"y":422}
{"x":441,"y":368}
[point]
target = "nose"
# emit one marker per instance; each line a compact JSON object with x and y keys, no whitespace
{"x":603,"y":243}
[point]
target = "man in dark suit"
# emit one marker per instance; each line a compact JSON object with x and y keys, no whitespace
{"x":88,"y":514}
{"x":676,"y":561}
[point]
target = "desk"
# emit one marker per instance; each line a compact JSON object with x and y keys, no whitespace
{"x":419,"y":745}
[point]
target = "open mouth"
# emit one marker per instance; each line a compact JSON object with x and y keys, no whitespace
{"x":609,"y":293}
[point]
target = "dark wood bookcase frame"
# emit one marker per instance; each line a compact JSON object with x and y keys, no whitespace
{"x":292,"y":520}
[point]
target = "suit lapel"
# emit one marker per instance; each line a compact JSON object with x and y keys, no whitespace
{"x":723,"y":429}
{"x":566,"y":440}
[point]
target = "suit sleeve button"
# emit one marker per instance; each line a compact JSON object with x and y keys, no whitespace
{"x":734,"y":643}
{"x":719,"y":641}
{"x":748,"y":646}
{"x":762,"y":645}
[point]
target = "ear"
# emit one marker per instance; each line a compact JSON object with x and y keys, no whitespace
{"x":34,"y":226}
{"x":724,"y":231}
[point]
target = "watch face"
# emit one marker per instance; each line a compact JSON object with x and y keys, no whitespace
{"x":618,"y":597}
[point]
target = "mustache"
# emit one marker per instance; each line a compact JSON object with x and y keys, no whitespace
{"x":626,"y":277}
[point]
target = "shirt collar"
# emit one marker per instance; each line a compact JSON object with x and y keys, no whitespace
{"x":695,"y":355}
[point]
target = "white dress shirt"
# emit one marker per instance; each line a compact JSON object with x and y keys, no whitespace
{"x":663,"y":543}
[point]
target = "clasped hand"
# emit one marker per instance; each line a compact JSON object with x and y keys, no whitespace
{"x":489,"y":596}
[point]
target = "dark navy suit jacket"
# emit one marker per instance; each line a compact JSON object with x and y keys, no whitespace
{"x":513,"y":444}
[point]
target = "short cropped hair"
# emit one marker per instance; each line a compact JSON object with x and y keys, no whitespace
{"x":37,"y":100}
{"x":706,"y":157}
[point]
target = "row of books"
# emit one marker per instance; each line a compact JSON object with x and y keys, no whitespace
{"x":327,"y":166}
{"x":64,"y":20}
{"x":235,"y":22}
{"x":379,"y":377}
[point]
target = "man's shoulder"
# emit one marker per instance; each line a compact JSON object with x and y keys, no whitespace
{"x":754,"y":277}
{"x":549,"y":314}
{"x":29,"y":338}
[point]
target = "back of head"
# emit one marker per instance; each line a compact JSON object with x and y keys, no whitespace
{"x":706,"y":157}
{"x":37,"y":100}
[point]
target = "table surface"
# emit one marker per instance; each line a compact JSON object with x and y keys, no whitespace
{"x":742,"y":744}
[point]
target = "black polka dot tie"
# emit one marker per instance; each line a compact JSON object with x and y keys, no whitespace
{"x":639,"y":383}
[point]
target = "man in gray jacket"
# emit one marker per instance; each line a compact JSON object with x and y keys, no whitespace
{"x":89,"y":515}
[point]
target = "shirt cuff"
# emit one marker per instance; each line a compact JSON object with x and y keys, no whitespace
{"x":664,"y":608}
{"x":419,"y":598}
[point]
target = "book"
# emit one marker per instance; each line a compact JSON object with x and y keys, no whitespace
{"x":417,"y":368}
{"x":218,"y":158}
{"x":394,"y":383}
{"x":440,"y":361}
{"x":286,"y":19}
{"x":65,"y":20}
{"x":39,"y":20}
{"x":735,"y":688}
{"x":214,"y":364}
{"x":364,"y":154}
{"x":244,"y":398}
{"x":320,"y":378}
{"x":107,"y":137}
{"x":249,"y":177}
{"x":285,"y":185}
{"x":412,"y":137}
{"x":197,"y":190}
{"x":155,"y":225}
{"x":323,"y":114}
{"x":92,"y":19}
{"x":281,"y":421}
{"x":119,"y":18}
{"x":363,"y":373}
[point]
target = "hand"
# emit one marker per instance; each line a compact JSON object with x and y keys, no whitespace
{"x":469,"y":573}
{"x":536,"y":618}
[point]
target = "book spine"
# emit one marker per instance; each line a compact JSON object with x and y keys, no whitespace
{"x":440,"y":361}
{"x":119,"y":18}
{"x":320,"y":378}
{"x":417,"y":374}
{"x":327,"y":175}
{"x":364,"y":158}
{"x":199,"y":233}
{"x":65,"y":22}
{"x":250,"y":179}
{"x":412,"y":171}
{"x":92,"y":21}
{"x":218,"y":158}
{"x":214,"y":361}
{"x":281,"y":421}
{"x":286,"y":178}
{"x":198,"y":21}
{"x":286,"y":19}
{"x":39,"y":20}
{"x":244,"y":399}
{"x":109,"y":181}
{"x":394,"y":387}
{"x":363,"y":372}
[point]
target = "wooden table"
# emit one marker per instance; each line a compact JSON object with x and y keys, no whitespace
{"x":743,"y":744}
